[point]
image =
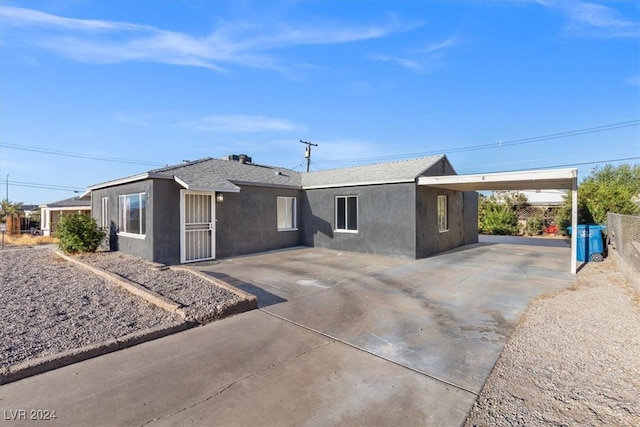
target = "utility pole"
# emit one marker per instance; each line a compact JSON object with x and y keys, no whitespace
{"x":7,"y":188}
{"x":307,"y":152}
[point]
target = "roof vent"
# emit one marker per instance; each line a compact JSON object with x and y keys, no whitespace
{"x":240,"y":158}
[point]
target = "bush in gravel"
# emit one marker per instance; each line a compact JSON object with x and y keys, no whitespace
{"x":79,"y":233}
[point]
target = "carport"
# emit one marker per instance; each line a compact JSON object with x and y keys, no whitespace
{"x":552,"y":179}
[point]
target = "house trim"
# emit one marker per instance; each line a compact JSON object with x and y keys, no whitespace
{"x":188,"y":186}
{"x":358,"y":184}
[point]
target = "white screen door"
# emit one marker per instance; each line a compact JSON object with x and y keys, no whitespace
{"x":198,"y":227}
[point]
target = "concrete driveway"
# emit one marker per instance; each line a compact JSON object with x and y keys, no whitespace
{"x":340,"y":338}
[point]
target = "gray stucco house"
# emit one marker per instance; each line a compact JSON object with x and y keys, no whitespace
{"x":217,"y":208}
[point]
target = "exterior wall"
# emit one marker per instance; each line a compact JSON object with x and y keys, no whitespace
{"x":165,"y":221}
{"x":386,"y":220}
{"x":461,"y":221}
{"x":142,"y":247}
{"x":470,"y":217}
{"x":443,"y":167}
{"x":247,"y":222}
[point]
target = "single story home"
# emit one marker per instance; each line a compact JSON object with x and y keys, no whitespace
{"x":217,"y":208}
{"x":50,"y":213}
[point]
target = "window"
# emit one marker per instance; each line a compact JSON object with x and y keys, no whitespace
{"x":132,"y":213}
{"x":347,"y":213}
{"x":104,"y":219}
{"x":287,"y":213}
{"x":443,"y":224}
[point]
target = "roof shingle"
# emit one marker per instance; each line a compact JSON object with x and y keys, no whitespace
{"x":398,"y":171}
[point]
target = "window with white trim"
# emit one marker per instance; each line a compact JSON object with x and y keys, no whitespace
{"x":443,"y":224}
{"x":132,"y":213}
{"x":104,"y":219}
{"x":286,"y":213}
{"x":347,"y":213}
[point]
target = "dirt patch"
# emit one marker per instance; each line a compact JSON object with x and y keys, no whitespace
{"x":574,"y":359}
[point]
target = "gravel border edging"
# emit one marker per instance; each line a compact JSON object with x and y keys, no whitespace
{"x":58,"y":360}
{"x":132,"y":287}
{"x":65,"y":358}
{"x":248,"y":301}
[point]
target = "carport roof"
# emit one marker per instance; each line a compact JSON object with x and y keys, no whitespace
{"x":552,"y":179}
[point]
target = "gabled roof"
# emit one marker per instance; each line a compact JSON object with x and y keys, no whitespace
{"x":216,"y":175}
{"x":379,"y":173}
{"x":81,"y":202}
{"x":222,"y":175}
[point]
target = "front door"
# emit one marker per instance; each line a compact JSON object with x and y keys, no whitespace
{"x":198,"y":227}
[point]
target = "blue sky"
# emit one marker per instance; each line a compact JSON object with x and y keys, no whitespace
{"x":495,"y":85}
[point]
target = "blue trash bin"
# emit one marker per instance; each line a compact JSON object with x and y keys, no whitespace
{"x":590,"y":242}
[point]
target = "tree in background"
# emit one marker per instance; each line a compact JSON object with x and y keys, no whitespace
{"x":498,"y":213}
{"x":612,"y":189}
{"x":8,"y":207}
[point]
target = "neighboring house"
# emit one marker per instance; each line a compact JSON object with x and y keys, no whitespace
{"x":216,"y":208}
{"x":543,"y":205}
{"x":50,"y":213}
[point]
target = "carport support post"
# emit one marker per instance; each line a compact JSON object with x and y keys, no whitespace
{"x":574,"y":222}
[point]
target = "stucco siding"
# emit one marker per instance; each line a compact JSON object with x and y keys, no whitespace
{"x":166,"y":221}
{"x":386,"y":220}
{"x":442,"y":167}
{"x":139,"y":246}
{"x":247,"y":222}
{"x":470,"y":217}
{"x":430,"y":240}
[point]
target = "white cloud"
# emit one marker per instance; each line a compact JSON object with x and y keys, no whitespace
{"x":403,"y":62}
{"x":22,"y":16}
{"x":240,"y":123}
{"x":591,"y":19}
{"x":444,"y":44}
{"x":240,"y":43}
{"x":424,"y":59}
{"x":634,"y":80}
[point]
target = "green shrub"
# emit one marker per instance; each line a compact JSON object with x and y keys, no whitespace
{"x":499,"y":219}
{"x":79,"y":233}
{"x":535,"y":225}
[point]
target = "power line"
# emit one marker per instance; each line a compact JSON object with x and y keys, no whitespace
{"x":77,"y":189}
{"x":576,"y":164}
{"x":45,"y":186}
{"x":520,"y":141}
{"x":547,"y":137}
{"x":78,"y":155}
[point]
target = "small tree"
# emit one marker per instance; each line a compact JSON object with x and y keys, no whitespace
{"x":8,"y":207}
{"x":79,"y":233}
{"x":499,"y":219}
{"x":610,"y":189}
{"x":497,"y":214}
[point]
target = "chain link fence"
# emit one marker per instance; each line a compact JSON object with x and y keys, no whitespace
{"x":623,"y":232}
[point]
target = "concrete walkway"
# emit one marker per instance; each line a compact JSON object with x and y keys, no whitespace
{"x":340,"y":338}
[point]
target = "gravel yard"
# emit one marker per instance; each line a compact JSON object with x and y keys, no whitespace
{"x":574,"y":359}
{"x":50,"y":305}
{"x":201,"y":301}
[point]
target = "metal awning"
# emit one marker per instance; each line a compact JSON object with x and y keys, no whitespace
{"x":552,"y":179}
